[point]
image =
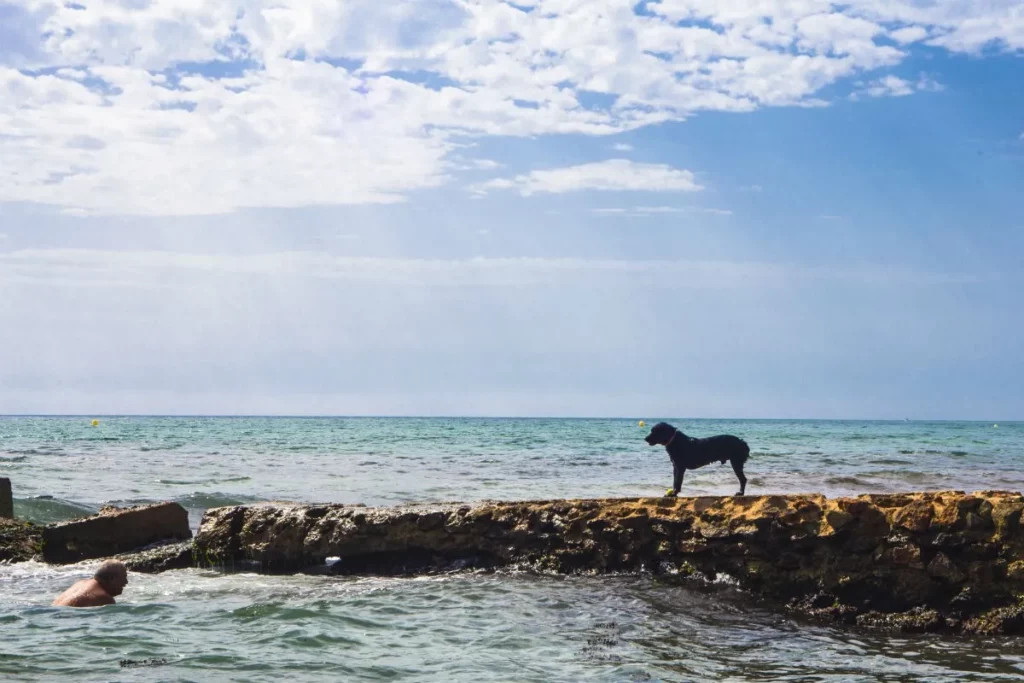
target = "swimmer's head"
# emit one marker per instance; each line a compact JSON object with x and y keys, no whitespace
{"x":113,"y":576}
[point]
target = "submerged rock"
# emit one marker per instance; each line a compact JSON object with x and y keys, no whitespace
{"x":944,"y":561}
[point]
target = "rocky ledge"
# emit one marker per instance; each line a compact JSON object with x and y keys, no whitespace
{"x":945,"y":562}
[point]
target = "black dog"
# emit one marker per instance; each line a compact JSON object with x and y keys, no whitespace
{"x":688,"y":453}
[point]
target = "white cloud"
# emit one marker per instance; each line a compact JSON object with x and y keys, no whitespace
{"x":642,"y":211}
{"x":188,"y":270}
{"x":909,"y":34}
{"x":459,"y":164}
{"x":117,"y":126}
{"x":76,"y":212}
{"x":613,"y":174}
{"x":657,"y":209}
{"x":622,"y":147}
{"x":890,"y":86}
{"x":893,"y":86}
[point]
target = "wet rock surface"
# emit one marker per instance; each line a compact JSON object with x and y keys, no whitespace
{"x":159,"y":558}
{"x":935,"y":562}
{"x":19,"y":541}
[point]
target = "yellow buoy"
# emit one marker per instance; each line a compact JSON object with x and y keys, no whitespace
{"x":95,"y":423}
{"x":642,"y":423}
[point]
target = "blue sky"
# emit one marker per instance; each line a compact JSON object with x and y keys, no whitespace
{"x":684,"y":208}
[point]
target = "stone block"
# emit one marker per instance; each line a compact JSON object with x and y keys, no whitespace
{"x":114,"y":531}
{"x":6,"y":499}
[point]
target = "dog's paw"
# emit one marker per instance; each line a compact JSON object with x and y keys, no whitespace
{"x":739,"y":493}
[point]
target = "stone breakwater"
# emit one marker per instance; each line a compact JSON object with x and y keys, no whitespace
{"x":940,"y":562}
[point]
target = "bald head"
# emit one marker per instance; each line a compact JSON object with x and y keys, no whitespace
{"x":113,"y":576}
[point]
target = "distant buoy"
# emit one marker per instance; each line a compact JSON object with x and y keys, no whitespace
{"x":95,"y":423}
{"x":641,"y":423}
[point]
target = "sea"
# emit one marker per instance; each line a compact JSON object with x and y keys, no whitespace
{"x":211,"y":625}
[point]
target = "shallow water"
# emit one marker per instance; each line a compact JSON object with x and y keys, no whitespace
{"x":209,"y":626}
{"x":471,"y":627}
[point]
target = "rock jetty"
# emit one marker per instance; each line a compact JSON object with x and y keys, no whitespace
{"x":948,"y":561}
{"x":937,"y":562}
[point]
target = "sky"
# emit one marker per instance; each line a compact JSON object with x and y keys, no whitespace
{"x":693,"y":208}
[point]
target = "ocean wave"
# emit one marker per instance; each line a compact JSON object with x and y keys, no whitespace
{"x":47,"y":509}
{"x":913,"y":476}
{"x":933,"y":451}
{"x":33,"y":451}
{"x":848,"y":480}
{"x":16,"y":458}
{"x":203,"y":500}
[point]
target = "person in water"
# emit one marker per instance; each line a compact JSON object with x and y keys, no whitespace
{"x":108,"y":581}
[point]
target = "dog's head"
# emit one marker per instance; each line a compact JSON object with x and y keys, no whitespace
{"x":660,"y":435}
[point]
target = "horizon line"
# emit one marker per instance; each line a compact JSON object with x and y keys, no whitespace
{"x":492,"y":417}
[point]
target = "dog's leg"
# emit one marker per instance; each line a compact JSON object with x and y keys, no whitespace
{"x":737,"y":467}
{"x":677,"y":478}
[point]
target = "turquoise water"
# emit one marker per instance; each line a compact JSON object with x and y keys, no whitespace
{"x":207,"y":626}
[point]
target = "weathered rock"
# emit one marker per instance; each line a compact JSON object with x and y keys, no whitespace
{"x":924,"y":561}
{"x":915,"y":516}
{"x":19,"y":541}
{"x":160,"y":558}
{"x":6,"y":499}
{"x":114,"y":531}
{"x":941,"y":567}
